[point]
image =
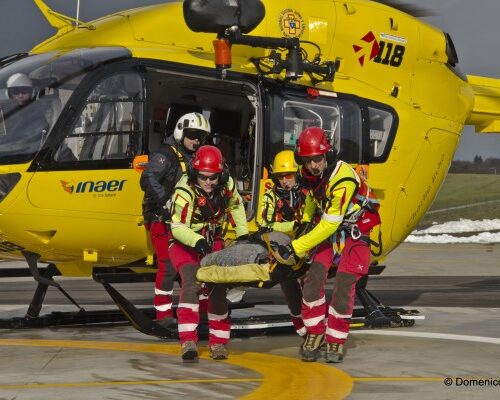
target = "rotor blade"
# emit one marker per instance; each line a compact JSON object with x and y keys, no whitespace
{"x":408,"y":7}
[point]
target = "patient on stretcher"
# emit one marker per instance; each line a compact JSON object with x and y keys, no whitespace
{"x":249,"y":263}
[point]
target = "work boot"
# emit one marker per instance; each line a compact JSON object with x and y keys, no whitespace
{"x":189,"y":352}
{"x":302,"y":344}
{"x":334,"y":353}
{"x":310,"y":349}
{"x":218,"y":352}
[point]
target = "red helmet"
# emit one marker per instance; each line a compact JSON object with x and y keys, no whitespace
{"x":208,"y":158}
{"x":312,"y":142}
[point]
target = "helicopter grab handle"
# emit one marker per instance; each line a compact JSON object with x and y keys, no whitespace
{"x":328,"y":68}
{"x":235,"y":37}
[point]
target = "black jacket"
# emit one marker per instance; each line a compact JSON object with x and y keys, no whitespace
{"x":159,"y":177}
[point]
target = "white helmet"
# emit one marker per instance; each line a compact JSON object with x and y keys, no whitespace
{"x":19,"y":80}
{"x":191,"y":121}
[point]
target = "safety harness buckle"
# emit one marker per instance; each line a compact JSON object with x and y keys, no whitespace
{"x":355,"y":232}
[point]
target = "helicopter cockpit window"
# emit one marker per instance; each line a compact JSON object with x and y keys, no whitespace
{"x":340,"y":120}
{"x":34,"y":89}
{"x":111,"y":122}
{"x":381,"y":122}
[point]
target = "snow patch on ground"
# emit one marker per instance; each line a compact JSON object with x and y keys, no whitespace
{"x":451,"y":232}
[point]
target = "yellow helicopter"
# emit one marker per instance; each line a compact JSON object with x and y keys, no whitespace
{"x":384,"y":85}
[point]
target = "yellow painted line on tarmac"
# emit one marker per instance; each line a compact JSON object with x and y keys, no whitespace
{"x":120,"y":383}
{"x":396,"y":379}
{"x":282,"y":377}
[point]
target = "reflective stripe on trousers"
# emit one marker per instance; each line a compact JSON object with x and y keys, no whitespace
{"x":186,"y":262}
{"x":353,"y":265}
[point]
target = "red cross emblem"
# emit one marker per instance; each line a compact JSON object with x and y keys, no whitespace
{"x":292,"y":24}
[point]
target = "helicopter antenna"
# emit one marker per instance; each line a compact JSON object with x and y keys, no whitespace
{"x":77,"y":13}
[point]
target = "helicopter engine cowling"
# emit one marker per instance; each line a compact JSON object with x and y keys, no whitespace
{"x":216,"y":16}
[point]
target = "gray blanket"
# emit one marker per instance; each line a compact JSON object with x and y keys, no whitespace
{"x":245,"y":252}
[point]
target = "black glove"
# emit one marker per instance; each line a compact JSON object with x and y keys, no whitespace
{"x":165,"y":213}
{"x":243,"y":238}
{"x":284,"y":254}
{"x":202,"y":246}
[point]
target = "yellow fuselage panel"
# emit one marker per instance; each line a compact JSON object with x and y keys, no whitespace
{"x":426,"y":175}
{"x":87,"y":191}
{"x":62,"y":214}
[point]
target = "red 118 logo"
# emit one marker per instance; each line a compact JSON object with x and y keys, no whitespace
{"x":393,"y":53}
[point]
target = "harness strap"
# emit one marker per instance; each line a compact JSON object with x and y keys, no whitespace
{"x":180,"y":158}
{"x":273,"y":264}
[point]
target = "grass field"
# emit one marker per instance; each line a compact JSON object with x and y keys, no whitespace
{"x":475,"y":196}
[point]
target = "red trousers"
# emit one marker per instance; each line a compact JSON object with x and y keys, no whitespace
{"x":186,"y":262}
{"x":165,"y":276}
{"x":353,"y":265}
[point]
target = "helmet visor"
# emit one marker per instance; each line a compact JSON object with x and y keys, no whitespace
{"x":211,"y":178}
{"x":195,"y":134}
{"x":18,"y":90}
{"x":315,"y":158}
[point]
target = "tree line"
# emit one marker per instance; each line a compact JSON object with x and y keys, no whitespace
{"x":477,"y":166}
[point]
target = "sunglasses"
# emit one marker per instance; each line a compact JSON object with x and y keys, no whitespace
{"x":316,"y":159}
{"x":287,"y":175}
{"x":18,"y":90}
{"x":194,"y":134}
{"x":204,"y":178}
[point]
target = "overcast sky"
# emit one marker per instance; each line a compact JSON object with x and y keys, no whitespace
{"x":473,"y":26}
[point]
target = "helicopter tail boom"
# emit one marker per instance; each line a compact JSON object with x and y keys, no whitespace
{"x":485,"y":115}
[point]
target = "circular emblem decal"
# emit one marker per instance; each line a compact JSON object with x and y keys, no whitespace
{"x":202,"y":201}
{"x":291,"y":23}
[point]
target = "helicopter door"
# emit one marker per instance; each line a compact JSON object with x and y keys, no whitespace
{"x":232,"y":110}
{"x":89,"y":170}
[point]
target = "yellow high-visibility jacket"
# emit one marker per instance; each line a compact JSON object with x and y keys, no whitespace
{"x":281,"y":217}
{"x":334,"y":202}
{"x":188,"y":223}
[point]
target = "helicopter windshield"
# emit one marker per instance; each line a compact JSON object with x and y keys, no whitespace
{"x":33,"y":92}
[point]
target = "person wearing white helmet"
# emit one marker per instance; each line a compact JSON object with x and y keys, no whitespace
{"x":20,"y":88}
{"x":23,"y":115}
{"x":164,"y":169}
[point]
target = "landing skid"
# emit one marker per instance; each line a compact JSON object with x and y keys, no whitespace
{"x":372,"y":314}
